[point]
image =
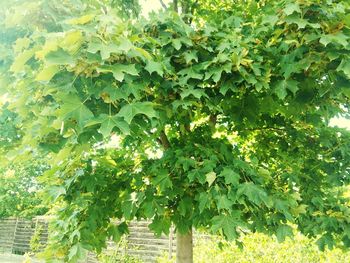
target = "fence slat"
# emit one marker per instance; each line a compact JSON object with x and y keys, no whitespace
{"x":16,"y":233}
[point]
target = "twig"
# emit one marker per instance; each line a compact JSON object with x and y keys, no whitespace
{"x":163,"y":5}
{"x":264,"y":128}
{"x":164,"y":140}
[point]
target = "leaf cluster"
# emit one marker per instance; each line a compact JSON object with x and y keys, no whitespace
{"x":223,"y":123}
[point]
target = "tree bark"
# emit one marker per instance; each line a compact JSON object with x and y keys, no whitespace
{"x":176,"y":8}
{"x":184,"y":248}
{"x":164,"y":140}
{"x":163,"y":5}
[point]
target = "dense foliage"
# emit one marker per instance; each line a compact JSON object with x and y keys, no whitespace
{"x":19,"y":187}
{"x":259,"y":248}
{"x":222,"y":116}
{"x":20,"y":192}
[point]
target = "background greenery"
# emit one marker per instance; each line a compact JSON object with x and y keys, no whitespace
{"x":259,"y":248}
{"x":20,"y":191}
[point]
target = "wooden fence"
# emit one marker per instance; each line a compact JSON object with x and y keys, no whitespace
{"x":16,"y":234}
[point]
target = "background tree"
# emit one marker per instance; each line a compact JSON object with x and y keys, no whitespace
{"x":222,"y":118}
{"x":19,"y":188}
{"x":20,"y":192}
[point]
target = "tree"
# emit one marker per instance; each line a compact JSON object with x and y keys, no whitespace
{"x":222,"y":117}
{"x":20,"y":191}
{"x":19,"y":188}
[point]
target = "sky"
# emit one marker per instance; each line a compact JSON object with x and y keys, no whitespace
{"x":340,"y":122}
{"x":151,"y":5}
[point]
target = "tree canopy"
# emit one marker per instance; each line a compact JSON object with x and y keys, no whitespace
{"x":222,"y":115}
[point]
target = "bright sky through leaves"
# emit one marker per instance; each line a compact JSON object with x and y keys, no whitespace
{"x":151,"y":5}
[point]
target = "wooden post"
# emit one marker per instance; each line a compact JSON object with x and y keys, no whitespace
{"x":14,"y":236}
{"x":171,"y":236}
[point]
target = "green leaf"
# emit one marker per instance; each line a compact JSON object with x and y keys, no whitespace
{"x":197,"y":93}
{"x":282,"y":86}
{"x":185,"y":206}
{"x":47,"y":73}
{"x":73,"y":252}
{"x":21,"y":60}
{"x":265,"y":174}
{"x":254,"y":193}
{"x":153,"y":66}
{"x":119,"y":70}
{"x":227,"y":85}
{"x":210,"y":177}
{"x":226,"y":223}
{"x":187,"y":74}
{"x":142,"y":53}
{"x":214,"y":73}
{"x":325,"y":240}
{"x":176,"y":43}
{"x":191,"y":55}
{"x":186,"y":163}
{"x":109,"y":122}
{"x":283,"y":231}
{"x":116,"y":93}
{"x":283,"y":207}
{"x":346,"y":91}
{"x":127,"y":208}
{"x":224,"y":203}
{"x":114,"y":232}
{"x":292,"y":85}
{"x":160,"y":225}
{"x":338,"y":38}
{"x":345,"y":67}
{"x":125,"y":44}
{"x":59,"y":57}
{"x":296,"y":19}
{"x":107,"y":49}
{"x":129,"y":111}
{"x":280,"y":90}
{"x":73,"y":107}
{"x":163,"y":180}
{"x":291,"y":8}
{"x":81,"y":20}
{"x":124,"y":91}
{"x":195,"y":174}
{"x":203,"y":201}
{"x":56,"y":191}
{"x":347,"y":20}
{"x":270,"y":19}
{"x":21,"y":44}
{"x":231,"y":177}
{"x":148,"y":209}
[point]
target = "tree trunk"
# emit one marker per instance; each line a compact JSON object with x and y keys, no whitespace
{"x":176,"y":8}
{"x":184,"y":248}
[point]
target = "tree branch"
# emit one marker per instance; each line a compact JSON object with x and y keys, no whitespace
{"x":212,"y":121}
{"x":176,"y":7}
{"x":163,"y":5}
{"x":264,"y":128}
{"x":163,"y":139}
{"x":193,"y":7}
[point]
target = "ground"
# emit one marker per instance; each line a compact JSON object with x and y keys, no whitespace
{"x":8,"y":258}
